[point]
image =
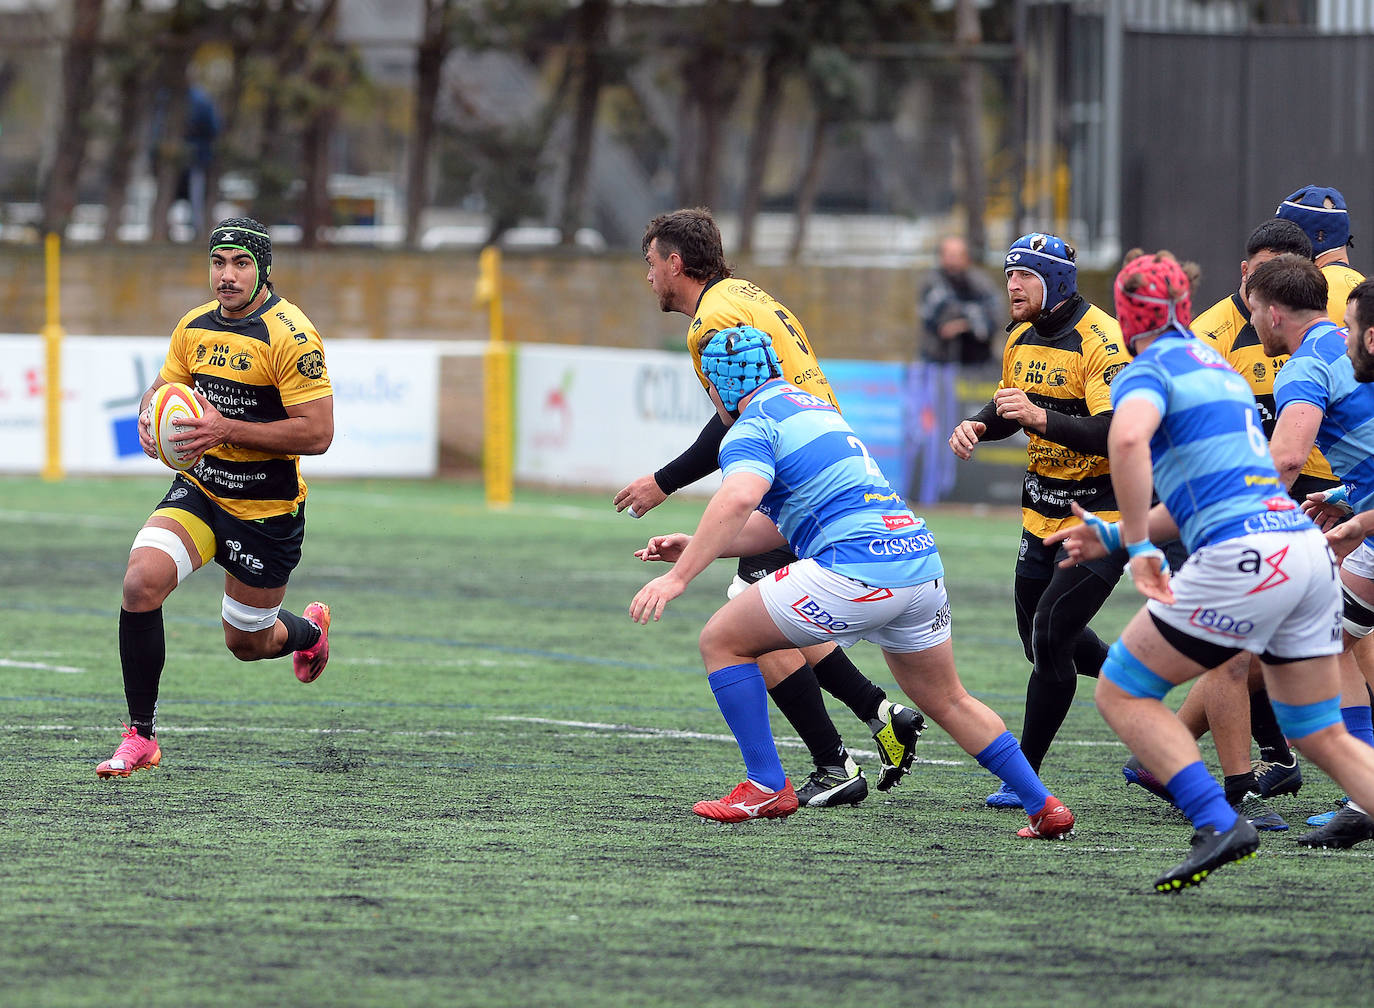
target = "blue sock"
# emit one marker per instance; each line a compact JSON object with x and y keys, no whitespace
{"x":1003,"y":756}
{"x":743,"y":701}
{"x":1359,"y":721}
{"x":1201,"y":798}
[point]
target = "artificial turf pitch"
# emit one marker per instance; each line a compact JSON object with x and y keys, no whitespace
{"x":486,"y":798}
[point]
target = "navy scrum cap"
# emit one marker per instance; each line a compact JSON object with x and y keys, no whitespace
{"x":1320,"y":211}
{"x":1053,"y":262}
{"x":737,"y":361}
{"x":244,"y":234}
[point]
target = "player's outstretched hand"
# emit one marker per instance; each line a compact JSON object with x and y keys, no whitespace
{"x":665,"y":547}
{"x":1327,"y":508}
{"x":650,"y":600}
{"x":1081,"y":542}
{"x":1344,"y":538}
{"x":1151,"y":577}
{"x":640,"y":497}
{"x":965,"y":438}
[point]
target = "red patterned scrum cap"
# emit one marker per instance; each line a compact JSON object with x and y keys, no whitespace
{"x":1151,"y":292}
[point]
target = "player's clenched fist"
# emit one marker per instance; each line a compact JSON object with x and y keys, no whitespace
{"x":965,"y":437}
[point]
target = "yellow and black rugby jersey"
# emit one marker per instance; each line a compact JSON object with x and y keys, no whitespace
{"x":732,"y":302}
{"x":1226,"y":325}
{"x":1070,"y":374}
{"x":1341,"y":279}
{"x":251,"y":369}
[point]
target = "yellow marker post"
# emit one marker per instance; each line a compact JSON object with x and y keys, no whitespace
{"x":52,"y":346}
{"x":499,"y":441}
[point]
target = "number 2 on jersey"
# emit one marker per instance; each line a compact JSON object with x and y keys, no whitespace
{"x":869,"y":464}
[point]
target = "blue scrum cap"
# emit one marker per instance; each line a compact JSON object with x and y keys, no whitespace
{"x":737,"y":361}
{"x":1051,"y":259}
{"x":1320,"y":211}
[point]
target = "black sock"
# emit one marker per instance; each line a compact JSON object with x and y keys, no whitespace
{"x":300,"y":633}
{"x":1238,"y":786}
{"x":841,"y":678}
{"x":1273,"y":747}
{"x":1047,"y":704}
{"x":142,"y":652}
{"x":799,"y":698}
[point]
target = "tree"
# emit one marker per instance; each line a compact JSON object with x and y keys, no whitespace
{"x":712,"y":72}
{"x":275,"y":74}
{"x":78,"y":68}
{"x":784,"y":51}
{"x":499,"y":156}
{"x":588,"y":59}
{"x":325,"y":76}
{"x":833,"y":80}
{"x":180,"y":35}
{"x":129,"y":64}
{"x":968,"y":36}
{"x":436,"y":42}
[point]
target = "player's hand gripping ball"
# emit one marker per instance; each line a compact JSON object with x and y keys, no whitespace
{"x":171,"y":403}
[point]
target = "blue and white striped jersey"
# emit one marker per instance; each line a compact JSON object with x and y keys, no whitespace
{"x":1320,"y":373}
{"x":1212,"y":467}
{"x":828,"y":497}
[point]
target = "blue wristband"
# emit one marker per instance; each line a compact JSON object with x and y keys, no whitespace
{"x":1136,"y":549}
{"x":1147,"y":548}
{"x":1108,"y":533}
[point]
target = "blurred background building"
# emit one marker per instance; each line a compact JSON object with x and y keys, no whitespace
{"x":834,"y":132}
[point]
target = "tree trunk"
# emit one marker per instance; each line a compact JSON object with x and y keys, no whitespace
{"x":132,"y":95}
{"x":319,"y":130}
{"x":286,"y":51}
{"x":78,"y":65}
{"x":809,"y":185}
{"x":434,"y":48}
{"x":760,"y":145}
{"x":242,"y":47}
{"x":684,"y":137}
{"x":592,"y":20}
{"x":968,"y":35}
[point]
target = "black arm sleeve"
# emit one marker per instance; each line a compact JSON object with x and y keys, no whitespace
{"x":1085,"y":434}
{"x":698,"y":461}
{"x":997,"y":427}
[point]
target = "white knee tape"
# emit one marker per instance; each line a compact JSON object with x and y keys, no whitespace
{"x":738,"y":586}
{"x":168,"y":542}
{"x":249,"y":619}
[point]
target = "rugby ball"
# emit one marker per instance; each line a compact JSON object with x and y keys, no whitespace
{"x":172,"y":403}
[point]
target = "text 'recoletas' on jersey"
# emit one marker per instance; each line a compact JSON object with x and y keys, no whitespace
{"x":251,"y":369}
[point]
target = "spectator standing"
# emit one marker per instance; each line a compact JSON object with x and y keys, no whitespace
{"x":959,"y":310}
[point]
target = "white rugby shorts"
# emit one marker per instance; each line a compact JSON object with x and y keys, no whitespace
{"x":812,"y":605}
{"x":1360,"y":561}
{"x":1270,"y":592}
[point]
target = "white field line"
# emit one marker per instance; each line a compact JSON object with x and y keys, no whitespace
{"x":1069,"y":847}
{"x":94,"y":521}
{"x":631,"y":731}
{"x":41,"y":666}
{"x":623,"y":731}
{"x":236,"y":729}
